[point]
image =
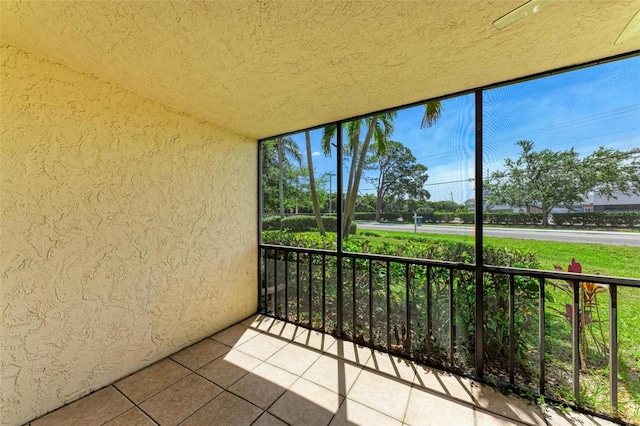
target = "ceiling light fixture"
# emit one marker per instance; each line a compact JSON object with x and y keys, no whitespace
{"x":529,"y":8}
{"x":631,"y":30}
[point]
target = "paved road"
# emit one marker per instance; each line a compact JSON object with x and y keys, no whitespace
{"x":573,"y":236}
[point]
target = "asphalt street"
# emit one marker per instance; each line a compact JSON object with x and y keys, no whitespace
{"x":631,"y":239}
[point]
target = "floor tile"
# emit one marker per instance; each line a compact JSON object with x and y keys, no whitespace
{"x":180,"y":400}
{"x":267,"y":419}
{"x":200,"y":354}
{"x":444,"y":383}
{"x":489,"y":419}
{"x":94,"y":409}
{"x":264,"y":385}
{"x":335,"y":374}
{"x":151,"y":380}
{"x":229,"y":368}
{"x":353,"y":413}
{"x":236,"y":335}
{"x":383,"y":394}
{"x":262,"y":346}
{"x":133,"y":417}
{"x":260,"y":322}
{"x":426,"y":408}
{"x":307,"y":404}
{"x":392,"y":366}
{"x":284,"y":330}
{"x":294,"y":359}
{"x":510,"y":406}
{"x":225,"y":410}
{"x":350,"y":351}
{"x":315,"y":340}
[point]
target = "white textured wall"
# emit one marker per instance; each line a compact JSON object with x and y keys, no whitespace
{"x":127,"y":232}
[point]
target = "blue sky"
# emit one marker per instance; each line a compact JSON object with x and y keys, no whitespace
{"x":584,"y":109}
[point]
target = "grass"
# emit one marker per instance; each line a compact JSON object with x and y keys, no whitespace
{"x":617,"y":261}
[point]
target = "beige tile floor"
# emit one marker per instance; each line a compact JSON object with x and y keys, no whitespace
{"x":265,"y":372}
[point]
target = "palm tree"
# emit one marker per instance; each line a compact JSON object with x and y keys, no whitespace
{"x":312,"y":184}
{"x":379,"y":128}
{"x":285,"y":147}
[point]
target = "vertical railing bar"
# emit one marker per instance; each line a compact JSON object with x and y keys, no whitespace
{"x":451,"y":318}
{"x":259,"y":225}
{"x":297,"y":287}
{"x":541,"y":336}
{"x":613,"y":344}
{"x":478,"y":227}
{"x":324,"y":292}
{"x":371,"y":303}
{"x":388,"y":306}
{"x":353,"y":298}
{"x":275,"y":283}
{"x":310,"y":290}
{"x":339,"y":231}
{"x":407,"y":337}
{"x":266,"y":284}
{"x":512,"y":328}
{"x":286,"y":285}
{"x":575,"y":322}
{"x":428,"y":325}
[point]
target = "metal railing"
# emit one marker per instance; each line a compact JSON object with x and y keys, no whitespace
{"x":425,"y":310}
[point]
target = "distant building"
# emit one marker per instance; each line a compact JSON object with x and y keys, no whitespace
{"x":593,"y":202}
{"x":619,"y":202}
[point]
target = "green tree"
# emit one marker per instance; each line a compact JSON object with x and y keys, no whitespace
{"x":377,"y":130}
{"x":399,"y":176}
{"x":548,"y":179}
{"x":286,"y":148}
{"x":312,"y":184}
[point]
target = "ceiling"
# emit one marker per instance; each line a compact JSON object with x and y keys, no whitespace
{"x":261,"y":68}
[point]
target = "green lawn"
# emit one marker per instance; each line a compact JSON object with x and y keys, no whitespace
{"x":618,"y":261}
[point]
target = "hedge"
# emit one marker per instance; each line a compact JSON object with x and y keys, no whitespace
{"x":606,"y":219}
{"x":512,"y":218}
{"x":372,"y":216}
{"x":301,"y":224}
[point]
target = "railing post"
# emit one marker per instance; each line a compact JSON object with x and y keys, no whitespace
{"x":452,"y":330}
{"x":286,"y":285}
{"x":479,"y":264}
{"x":339,"y":234}
{"x":575,"y":339}
{"x":613,"y":344}
{"x":407,"y":345}
{"x":541,"y":336}
{"x":512,"y":329}
{"x":388,"y":306}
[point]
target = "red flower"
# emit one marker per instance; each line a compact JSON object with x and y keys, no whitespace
{"x":574,"y":267}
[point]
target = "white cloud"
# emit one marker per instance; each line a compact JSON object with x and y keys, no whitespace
{"x":315,"y":153}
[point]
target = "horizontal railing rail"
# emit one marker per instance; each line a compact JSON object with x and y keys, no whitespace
{"x":421,"y":309}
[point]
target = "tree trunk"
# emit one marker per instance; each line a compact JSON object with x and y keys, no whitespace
{"x":351,"y":198}
{"x":280,"y":177}
{"x":379,"y":206}
{"x":312,"y":185}
{"x":545,"y":217}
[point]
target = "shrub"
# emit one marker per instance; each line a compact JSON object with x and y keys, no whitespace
{"x":383,"y":216}
{"x":445,"y":217}
{"x":271,"y":223}
{"x":466,"y":217}
{"x":308,"y":223}
{"x":604,"y":219}
{"x":512,"y":218}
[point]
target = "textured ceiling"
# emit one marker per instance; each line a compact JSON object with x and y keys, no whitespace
{"x":261,"y":68}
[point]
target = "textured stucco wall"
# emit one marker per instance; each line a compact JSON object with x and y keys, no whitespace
{"x":127,"y":232}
